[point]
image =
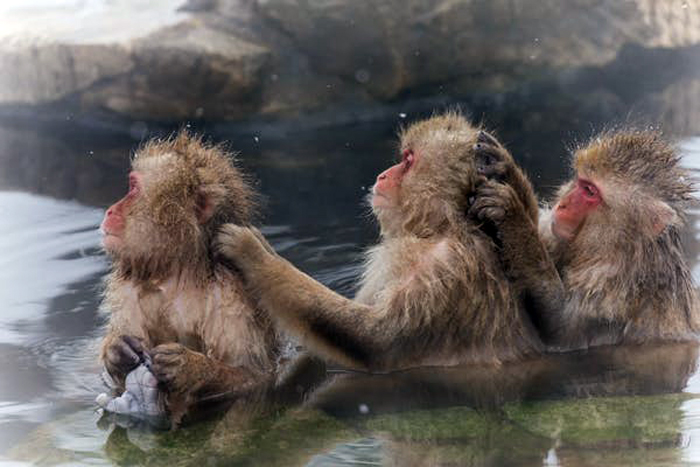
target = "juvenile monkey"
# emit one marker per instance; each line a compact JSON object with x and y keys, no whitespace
{"x":433,"y":291}
{"x":614,"y":234}
{"x":166,"y":292}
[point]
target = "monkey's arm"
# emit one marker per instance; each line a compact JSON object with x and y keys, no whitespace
{"x":524,"y":256}
{"x":328,"y":323}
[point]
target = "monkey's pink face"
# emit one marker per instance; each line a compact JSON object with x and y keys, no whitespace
{"x":386,"y":190}
{"x":573,"y":208}
{"x":114,"y":223}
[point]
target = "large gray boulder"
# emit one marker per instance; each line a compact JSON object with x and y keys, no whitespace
{"x":233,"y":59}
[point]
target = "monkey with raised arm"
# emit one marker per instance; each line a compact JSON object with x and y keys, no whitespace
{"x":614,"y":234}
{"x":168,"y":295}
{"x":433,"y":291}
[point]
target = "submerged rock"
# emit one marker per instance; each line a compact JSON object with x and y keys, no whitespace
{"x":139,"y":399}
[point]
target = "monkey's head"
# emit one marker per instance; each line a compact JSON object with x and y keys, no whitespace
{"x":428,"y":190}
{"x":626,"y":182}
{"x":181,"y":191}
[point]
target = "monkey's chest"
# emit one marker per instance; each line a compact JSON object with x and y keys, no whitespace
{"x":170,"y":319}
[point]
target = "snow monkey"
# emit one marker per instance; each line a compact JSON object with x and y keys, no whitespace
{"x":167,"y":293}
{"x":614,"y":235}
{"x":433,"y":291}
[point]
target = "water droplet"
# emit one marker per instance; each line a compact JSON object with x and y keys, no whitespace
{"x":402,"y":115}
{"x":537,"y":39}
{"x":363,"y":409}
{"x":329,"y":86}
{"x":256,"y":139}
{"x":362,"y":76}
{"x":274,"y":77}
{"x":91,"y":153}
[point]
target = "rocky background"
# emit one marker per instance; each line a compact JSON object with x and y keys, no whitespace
{"x":334,"y":61}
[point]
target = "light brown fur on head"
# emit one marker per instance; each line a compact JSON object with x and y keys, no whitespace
{"x":625,"y":271}
{"x":192,"y":188}
{"x":435,"y":198}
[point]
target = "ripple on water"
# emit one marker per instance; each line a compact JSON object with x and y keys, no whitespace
{"x":37,"y":234}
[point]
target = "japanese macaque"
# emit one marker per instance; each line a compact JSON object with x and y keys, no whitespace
{"x":433,"y":291}
{"x":167,"y":294}
{"x":614,"y":235}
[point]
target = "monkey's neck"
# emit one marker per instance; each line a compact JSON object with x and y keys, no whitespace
{"x":154,"y":272}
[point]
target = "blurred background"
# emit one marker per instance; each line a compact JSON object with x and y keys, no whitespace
{"x":310,"y":93}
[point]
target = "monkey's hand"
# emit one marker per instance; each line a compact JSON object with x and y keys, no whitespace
{"x":123,"y":355}
{"x":492,"y":160}
{"x":187,"y":375}
{"x":497,"y":203}
{"x":178,"y":368}
{"x":244,"y":247}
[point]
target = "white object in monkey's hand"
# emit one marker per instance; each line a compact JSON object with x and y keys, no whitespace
{"x":140,"y":396}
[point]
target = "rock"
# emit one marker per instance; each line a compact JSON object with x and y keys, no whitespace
{"x":395,"y":46}
{"x":223,"y":60}
{"x":180,"y":69}
{"x":38,"y":73}
{"x":185,"y":71}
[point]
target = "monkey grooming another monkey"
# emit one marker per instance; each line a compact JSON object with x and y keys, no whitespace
{"x":614,"y":234}
{"x":167,"y":294}
{"x":433,"y":291}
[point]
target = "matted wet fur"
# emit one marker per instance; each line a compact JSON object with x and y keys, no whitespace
{"x":167,"y":293}
{"x":433,"y":291}
{"x":624,"y":271}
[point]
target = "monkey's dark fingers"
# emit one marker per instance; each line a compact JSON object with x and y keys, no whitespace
{"x":163,"y":373}
{"x":484,"y":203}
{"x":489,"y":205}
{"x":121,"y":358}
{"x":495,"y":213}
{"x":486,"y":138}
{"x":136,"y":344}
{"x":491,"y":162}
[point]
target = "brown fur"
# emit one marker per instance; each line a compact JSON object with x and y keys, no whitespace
{"x":205,"y":335}
{"x":512,"y":220}
{"x":433,"y":291}
{"x":625,"y":273}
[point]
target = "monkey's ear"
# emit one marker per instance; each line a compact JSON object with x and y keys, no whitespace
{"x":204,"y":207}
{"x":661,"y":215}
